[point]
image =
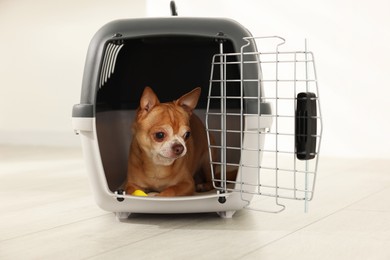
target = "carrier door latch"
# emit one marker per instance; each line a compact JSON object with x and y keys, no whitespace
{"x":306,"y":126}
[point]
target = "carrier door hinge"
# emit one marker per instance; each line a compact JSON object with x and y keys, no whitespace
{"x":220,"y":37}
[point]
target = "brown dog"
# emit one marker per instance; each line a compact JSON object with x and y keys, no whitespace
{"x":169,"y":147}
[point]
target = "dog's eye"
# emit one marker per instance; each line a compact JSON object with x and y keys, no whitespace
{"x":159,"y":136}
{"x":187,"y":135}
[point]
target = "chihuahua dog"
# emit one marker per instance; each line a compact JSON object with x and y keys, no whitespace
{"x":169,"y":150}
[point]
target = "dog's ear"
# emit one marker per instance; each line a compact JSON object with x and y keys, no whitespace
{"x":148,"y":100}
{"x":190,"y":100}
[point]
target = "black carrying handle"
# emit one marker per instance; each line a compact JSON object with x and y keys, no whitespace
{"x":173,"y":8}
{"x":306,"y":126}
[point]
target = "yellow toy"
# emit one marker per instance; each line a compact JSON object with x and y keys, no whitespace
{"x":139,"y":193}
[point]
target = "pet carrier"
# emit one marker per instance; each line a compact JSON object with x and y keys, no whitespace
{"x":255,"y":104}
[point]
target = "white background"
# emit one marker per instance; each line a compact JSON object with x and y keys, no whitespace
{"x":43,"y":46}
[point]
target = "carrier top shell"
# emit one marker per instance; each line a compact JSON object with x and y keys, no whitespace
{"x":120,"y":30}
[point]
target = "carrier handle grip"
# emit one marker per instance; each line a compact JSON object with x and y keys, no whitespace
{"x":173,"y":8}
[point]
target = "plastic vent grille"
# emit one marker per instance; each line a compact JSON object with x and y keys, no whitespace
{"x":108,"y":67}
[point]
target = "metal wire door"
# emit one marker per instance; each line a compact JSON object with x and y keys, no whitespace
{"x":271,"y":136}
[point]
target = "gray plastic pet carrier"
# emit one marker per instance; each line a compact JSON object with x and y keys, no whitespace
{"x":261,"y":107}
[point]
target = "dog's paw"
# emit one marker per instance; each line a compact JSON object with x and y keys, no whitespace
{"x":166,"y":193}
{"x":203,"y":187}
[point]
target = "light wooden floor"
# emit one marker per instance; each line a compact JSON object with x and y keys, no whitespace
{"x":47,"y":212}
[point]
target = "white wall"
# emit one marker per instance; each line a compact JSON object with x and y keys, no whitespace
{"x":350,"y":40}
{"x":42,"y":53}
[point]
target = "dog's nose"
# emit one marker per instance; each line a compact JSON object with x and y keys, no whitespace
{"x":177,"y":149}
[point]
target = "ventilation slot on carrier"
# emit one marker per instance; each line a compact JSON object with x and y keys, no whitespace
{"x":109,"y":61}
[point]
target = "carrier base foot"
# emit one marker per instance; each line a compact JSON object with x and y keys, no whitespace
{"x":122,"y":215}
{"x":226,"y":214}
